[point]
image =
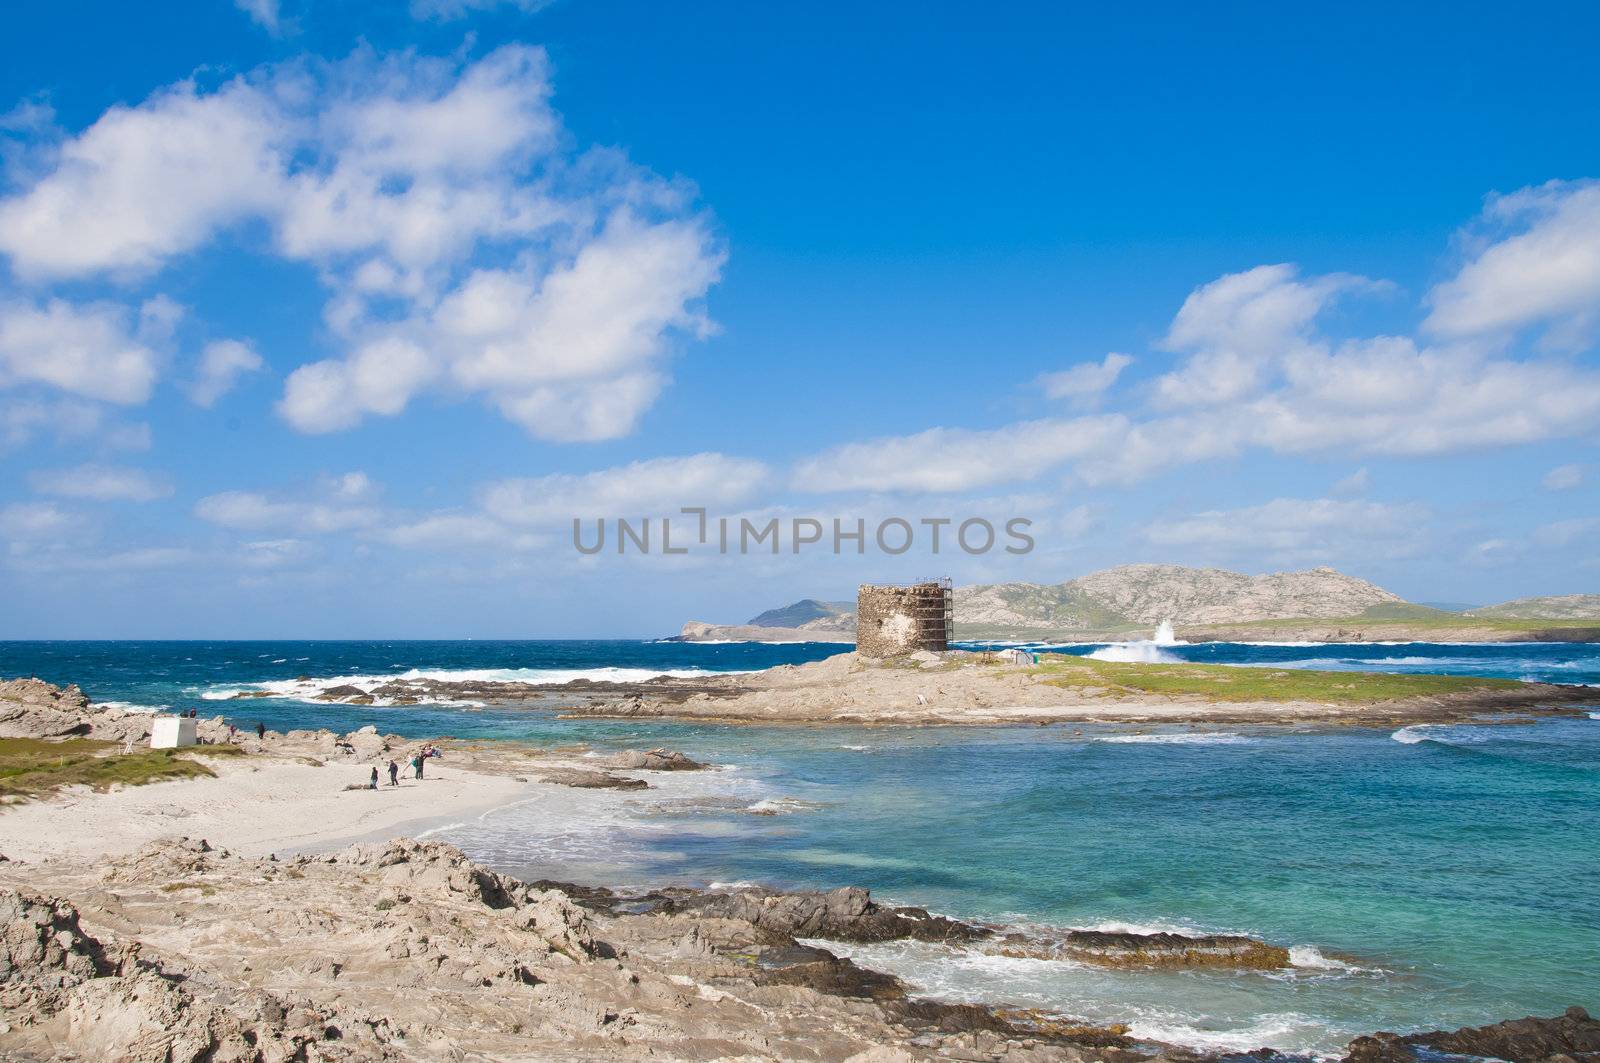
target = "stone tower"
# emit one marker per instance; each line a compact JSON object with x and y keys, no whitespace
{"x":893,"y":620}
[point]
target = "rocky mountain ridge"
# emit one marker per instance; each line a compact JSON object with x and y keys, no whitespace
{"x":1554,"y":607}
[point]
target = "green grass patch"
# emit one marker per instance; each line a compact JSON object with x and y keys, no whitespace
{"x":30,"y":767}
{"x":1220,"y":682}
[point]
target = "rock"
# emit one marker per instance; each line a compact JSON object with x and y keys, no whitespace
{"x":1146,"y":950}
{"x":845,"y":914}
{"x":32,"y":708}
{"x":41,"y":943}
{"x":339,"y":693}
{"x":1527,"y":1040}
{"x":591,"y":780}
{"x":654,"y":760}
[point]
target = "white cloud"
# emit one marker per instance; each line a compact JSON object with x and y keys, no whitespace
{"x":392,"y":174}
{"x":956,"y":459}
{"x":94,"y":349}
{"x":254,"y":511}
{"x":446,"y":10}
{"x":441,"y":531}
{"x":67,"y":420}
{"x":273,"y":553}
{"x":1354,"y":484}
{"x":1563,"y":478}
{"x":1298,"y":530}
{"x":1238,"y":326}
{"x":34,"y":520}
{"x":148,"y":182}
{"x":660,"y":486}
{"x":222,"y":363}
{"x":101,"y":483}
{"x":1539,"y":264}
{"x":1258,"y":376}
{"x":1566,"y":532}
{"x":263,"y":13}
{"x":1086,"y":380}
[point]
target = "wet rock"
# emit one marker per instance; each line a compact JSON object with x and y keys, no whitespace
{"x":845,"y":914}
{"x":818,"y":969}
{"x":1146,"y":950}
{"x":341,"y":693}
{"x":591,"y":780}
{"x":653,"y":760}
{"x":1528,"y":1040}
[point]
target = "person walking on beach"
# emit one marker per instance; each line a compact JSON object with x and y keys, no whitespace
{"x":394,"y":774}
{"x":261,"y":730}
{"x":374,"y":785}
{"x":416,"y":762}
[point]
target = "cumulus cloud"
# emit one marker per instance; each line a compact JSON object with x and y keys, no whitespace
{"x":1234,"y":329}
{"x":660,"y":486}
{"x":222,"y":363}
{"x":400,"y":178}
{"x":34,"y":520}
{"x":67,"y":420}
{"x":144,"y":183}
{"x":1534,"y":260}
{"x":1256,"y":374}
{"x":98,"y":350}
{"x":955,"y":459}
{"x":334,"y":504}
{"x":1563,"y":478}
{"x":1085,"y":381}
{"x":447,"y":10}
{"x":263,"y":13}
{"x":1297,"y":530}
{"x":101,"y":483}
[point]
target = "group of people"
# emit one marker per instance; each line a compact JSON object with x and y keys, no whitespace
{"x":416,"y":762}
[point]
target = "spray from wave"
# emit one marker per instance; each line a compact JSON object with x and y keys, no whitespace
{"x":1142,"y":651}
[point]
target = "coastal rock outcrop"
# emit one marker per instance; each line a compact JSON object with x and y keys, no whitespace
{"x":32,"y":708}
{"x":1573,"y":1035}
{"x":1161,"y":950}
{"x":845,"y":914}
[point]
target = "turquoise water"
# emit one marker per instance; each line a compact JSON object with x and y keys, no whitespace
{"x":1427,"y":877}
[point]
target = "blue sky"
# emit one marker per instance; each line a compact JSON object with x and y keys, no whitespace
{"x":323,"y":320}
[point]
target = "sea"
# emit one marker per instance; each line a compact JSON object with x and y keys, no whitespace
{"x":1424,"y":877}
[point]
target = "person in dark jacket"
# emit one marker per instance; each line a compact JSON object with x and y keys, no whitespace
{"x":394,"y":774}
{"x":374,"y":784}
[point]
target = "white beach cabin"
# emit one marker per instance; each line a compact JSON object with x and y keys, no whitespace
{"x":170,"y":732}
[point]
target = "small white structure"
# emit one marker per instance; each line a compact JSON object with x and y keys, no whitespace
{"x":170,"y":732}
{"x":1016,"y":656}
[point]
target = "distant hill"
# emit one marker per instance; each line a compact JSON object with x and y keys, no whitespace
{"x":1115,"y":600}
{"x":1557,"y":607}
{"x":807,"y":611}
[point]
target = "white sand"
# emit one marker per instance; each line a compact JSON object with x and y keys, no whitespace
{"x":255,"y":806}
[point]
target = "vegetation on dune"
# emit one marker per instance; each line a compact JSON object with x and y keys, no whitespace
{"x":1221,"y":682}
{"x":32,"y":767}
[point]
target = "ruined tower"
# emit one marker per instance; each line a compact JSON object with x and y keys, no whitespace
{"x":892,"y":620}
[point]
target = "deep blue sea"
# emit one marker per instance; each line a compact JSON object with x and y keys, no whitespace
{"x":1428,"y":876}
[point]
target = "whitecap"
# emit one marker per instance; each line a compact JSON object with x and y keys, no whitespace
{"x":1287,"y":1031}
{"x":1310,"y":958}
{"x":1134,"y":653}
{"x":128,"y":706}
{"x":1411,"y":735}
{"x":1187,"y":738}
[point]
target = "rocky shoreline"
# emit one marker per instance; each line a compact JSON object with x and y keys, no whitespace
{"x":405,"y":950}
{"x":955,"y":688}
{"x":175,"y":949}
